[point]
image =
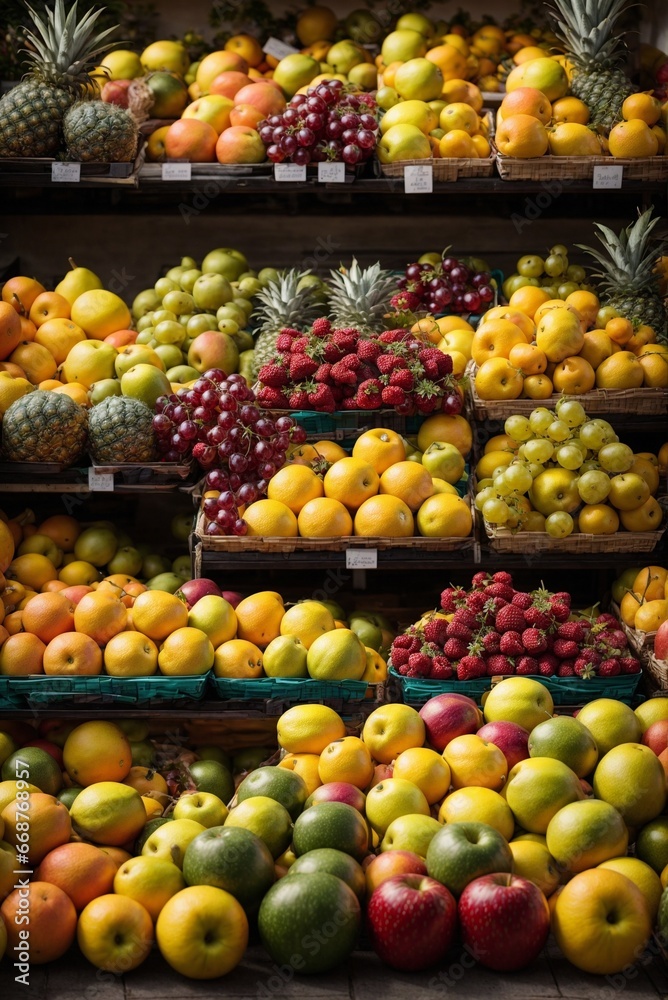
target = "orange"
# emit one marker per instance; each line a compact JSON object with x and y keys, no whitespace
{"x":444,"y":516}
{"x":560,"y":333}
{"x":651,"y":615}
{"x":647,"y":471}
{"x":501,"y":442}
{"x":130,"y":654}
{"x":457,"y":143}
{"x":462,"y":90}
{"x":450,"y":429}
{"x":633,"y":139}
{"x":385,"y":516}
{"x":482,"y":146}
{"x":526,"y":101}
{"x":324,"y":518}
{"x":528,"y":52}
{"x":97,"y":751}
{"x":76,"y":392}
{"x":647,"y":517}
{"x":570,"y":109}
{"x":663,"y":457}
{"x":495,"y":339}
{"x":573,"y":139}
{"x":270,"y":519}
{"x":50,"y":825}
{"x":409,"y":481}
{"x":550,"y":306}
{"x":145,"y":780}
{"x":306,"y":766}
{"x":650,"y":583}
{"x":619,"y":330}
{"x":528,"y":358}
{"x":117,"y":854}
{"x":516,"y":316}
{"x":330,"y":451}
{"x":351,"y":481}
{"x":247,"y":47}
{"x":13,"y":623}
{"x":449,"y":60}
{"x":586,"y":303}
{"x":100,"y":616}
{"x":238,"y":658}
{"x":32,"y":570}
{"x":598,"y":519}
{"x":186,"y":652}
{"x":53,"y":921}
{"x":573,"y":376}
{"x":53,"y":587}
{"x":474,"y":761}
{"x":426,"y":769}
{"x":58,"y":336}
{"x":347,"y":759}
{"x":37,"y":363}
{"x":620,"y":371}
{"x":596,"y":348}
{"x":537,"y":387}
{"x":115,"y":933}
{"x":654,"y":361}
{"x":643,"y":107}
{"x":521,"y":136}
{"x":460,"y":116}
{"x":302,"y":454}
{"x":47,"y":306}
{"x":294,"y":486}
{"x":21,"y":654}
{"x":21,"y":292}
{"x":379,"y":447}
{"x":78,"y":573}
{"x":73,"y":653}
{"x":628,"y":608}
{"x":157,"y":614}
{"x":259,"y":617}
{"x":82,"y":871}
{"x":48,"y":615}
{"x":498,"y":379}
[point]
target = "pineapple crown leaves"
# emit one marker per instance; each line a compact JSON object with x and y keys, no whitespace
{"x":65,"y":45}
{"x":628,"y":255}
{"x":586,"y":28}
{"x":283,"y":304}
{"x":358,"y":293}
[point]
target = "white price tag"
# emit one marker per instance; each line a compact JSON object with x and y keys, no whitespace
{"x":177,"y":171}
{"x":100,"y":482}
{"x":278,"y":49}
{"x":332,"y":173}
{"x":606,"y":178}
{"x":289,"y":172}
{"x":361,"y":558}
{"x":66,"y":172}
{"x":419,"y":179}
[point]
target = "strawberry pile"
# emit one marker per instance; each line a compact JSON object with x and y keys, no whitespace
{"x":329,"y":369}
{"x":494,"y":629}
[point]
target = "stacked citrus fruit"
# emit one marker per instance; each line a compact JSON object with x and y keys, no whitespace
{"x":557,"y":471}
{"x":642,"y":596}
{"x":121,"y":854}
{"x":385,"y":488}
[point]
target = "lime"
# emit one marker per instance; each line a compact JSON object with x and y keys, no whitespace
{"x":567,"y":740}
{"x":652,"y":844}
{"x":40,"y":765}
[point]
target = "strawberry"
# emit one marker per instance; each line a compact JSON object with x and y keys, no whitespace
{"x":392,"y":395}
{"x":609,"y":621}
{"x":405,"y":301}
{"x":345,"y":376}
{"x":582,"y":667}
{"x":456,"y":630}
{"x":369,"y":394}
{"x":534,"y":641}
{"x":470,"y":667}
{"x":454,"y":649}
{"x":616,"y":639}
{"x":350,"y":361}
{"x":463,"y":616}
{"x":436,"y":630}
{"x":441,"y":669}
{"x":503,"y":590}
{"x":273,"y":375}
{"x":284,"y":343}
{"x":322,"y":399}
{"x":273,"y":399}
{"x":566,"y":649}
{"x":403,"y":669}
{"x":502,"y":577}
{"x":534,"y":616}
{"x":566,"y":668}
{"x":563,"y":597}
{"x":547,"y":664}
{"x":592,"y":655}
{"x":324,"y":372}
{"x":420,"y":663}
{"x":510,"y":619}
{"x":321,"y":327}
{"x":492,"y":642}
{"x":299,"y":345}
{"x":450,"y":598}
{"x":399,"y":656}
{"x":393,"y":336}
{"x":403,"y":378}
{"x":609,"y":668}
{"x":386,"y":363}
{"x":349,"y":403}
{"x":298,"y":399}
{"x":480,"y":580}
{"x":560,"y":611}
{"x":409,"y":642}
{"x":571,"y":630}
{"x":368,"y":350}
{"x":476,"y":601}
{"x":301,"y":366}
{"x":426,"y":404}
{"x":429,"y":358}
{"x":511,"y":644}
{"x":521,"y":600}
{"x":332,"y":353}
{"x":629,"y":665}
{"x":526,"y":665}
{"x":498,"y":664}
{"x":345,"y":339}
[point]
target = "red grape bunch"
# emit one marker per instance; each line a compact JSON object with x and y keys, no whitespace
{"x":238,"y":445}
{"x":450,"y":286}
{"x":326,"y":123}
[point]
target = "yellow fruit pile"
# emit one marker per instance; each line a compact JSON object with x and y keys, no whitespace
{"x":385,"y":488}
{"x":536,"y":346}
{"x":448,"y":126}
{"x":643,"y":601}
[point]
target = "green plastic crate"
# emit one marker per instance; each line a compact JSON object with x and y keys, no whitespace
{"x":349,"y":423}
{"x":296,"y":689}
{"x":415,"y":691}
{"x":8,"y":698}
{"x":43,"y":690}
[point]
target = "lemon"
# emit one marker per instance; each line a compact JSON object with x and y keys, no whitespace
{"x":479,"y":805}
{"x":108,"y":813}
{"x":641,"y":875}
{"x":537,"y":789}
{"x":346,"y":760}
{"x":337,"y":655}
{"x":520,"y":700}
{"x":426,"y":769}
{"x":610,"y":723}
{"x":631,"y":778}
{"x":535,"y":863}
{"x":473,"y":761}
{"x":307,"y":621}
{"x":566,"y":739}
{"x":583,"y":834}
{"x":150,"y":881}
{"x":306,"y":766}
{"x":654,"y":710}
{"x":390,"y":730}
{"x":309,"y":728}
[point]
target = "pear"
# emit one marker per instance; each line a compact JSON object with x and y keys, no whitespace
{"x":76,"y":282}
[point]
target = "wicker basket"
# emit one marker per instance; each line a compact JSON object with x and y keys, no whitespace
{"x":644,"y":401}
{"x":656,"y":671}
{"x":504,"y":540}
{"x":641,"y":642}
{"x":579,"y":168}
{"x":445,"y":169}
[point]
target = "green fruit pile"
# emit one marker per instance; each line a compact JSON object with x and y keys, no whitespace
{"x":552,"y":273}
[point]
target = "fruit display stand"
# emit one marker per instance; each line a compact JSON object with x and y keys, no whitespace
{"x":579,"y":168}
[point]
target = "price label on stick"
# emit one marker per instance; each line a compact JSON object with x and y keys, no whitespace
{"x":332,"y":173}
{"x":361,"y":558}
{"x":177,"y":171}
{"x":66,"y":173}
{"x":100,"y":482}
{"x":608,"y":178}
{"x":289,"y":172}
{"x":418,"y":179}
{"x":278,"y":49}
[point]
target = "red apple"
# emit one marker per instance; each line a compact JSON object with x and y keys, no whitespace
{"x":116,"y":92}
{"x":656,"y":736}
{"x":447,"y":716}
{"x":213,"y":349}
{"x":505,"y":921}
{"x":510,"y":738}
{"x":661,"y":642}
{"x":51,"y":748}
{"x":412,"y":921}
{"x":194,"y":590}
{"x":391,"y":863}
{"x":232,"y":597}
{"x":338,"y":791}
{"x":381,"y":772}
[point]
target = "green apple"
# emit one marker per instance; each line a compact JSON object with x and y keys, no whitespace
{"x":188,"y":262}
{"x":224,"y":262}
{"x":169,"y":332}
{"x":368,"y":633}
{"x":285,"y":656}
{"x":188,"y":279}
{"x":211,"y":291}
{"x":175,"y":273}
{"x":182,"y":373}
{"x":200,"y":323}
{"x":126,"y":560}
{"x":41,"y":545}
{"x":267,"y":275}
{"x":233,"y":312}
{"x":145,"y":322}
{"x":145,"y":302}
{"x":443,"y":460}
{"x":375,"y":617}
{"x":154,"y":564}
{"x":249,"y":286}
{"x":403,"y":142}
{"x":244,"y":340}
{"x":412,"y":832}
{"x":178,"y":302}
{"x":170,"y":355}
{"x":228,"y":326}
{"x":386,"y":98}
{"x":124,"y":540}
{"x":146,"y":336}
{"x":461,"y":852}
{"x":104,"y":388}
{"x":202,"y":807}
{"x":169,"y":582}
{"x":181,"y":526}
{"x":163,"y":315}
{"x":146,"y":383}
{"x":182,"y":567}
{"x":170,"y":840}
{"x":136,"y":354}
{"x":245,"y":304}
{"x":164,"y":285}
{"x":185,"y":318}
{"x":143,"y":753}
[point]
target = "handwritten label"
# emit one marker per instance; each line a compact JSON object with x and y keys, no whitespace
{"x":100,"y":482}
{"x":177,"y":171}
{"x":66,"y":172}
{"x":418,"y":179}
{"x":332,"y":173}
{"x":289,"y":172}
{"x":606,"y":178}
{"x":361,"y":558}
{"x":278,"y":49}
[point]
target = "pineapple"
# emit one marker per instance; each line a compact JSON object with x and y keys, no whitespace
{"x":120,"y":429}
{"x":44,"y":427}
{"x":98,"y":132}
{"x":589,"y":32}
{"x":65,"y":50}
{"x":628,"y":280}
{"x":284,"y":304}
{"x":360,"y":297}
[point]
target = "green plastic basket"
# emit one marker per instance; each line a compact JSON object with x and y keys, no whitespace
{"x":415,"y":691}
{"x":9,"y":699}
{"x":349,"y":423}
{"x":43,"y":690}
{"x":293,"y":689}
